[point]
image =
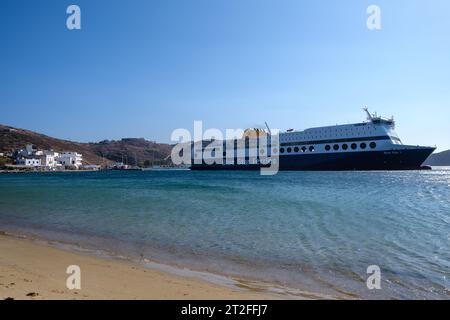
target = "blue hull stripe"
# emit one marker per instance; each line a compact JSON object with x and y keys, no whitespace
{"x":406,"y":159}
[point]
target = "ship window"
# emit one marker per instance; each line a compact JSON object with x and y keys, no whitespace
{"x":336,"y":147}
{"x":363,"y":145}
{"x":303,"y":149}
{"x":289,"y":150}
{"x":311,"y":148}
{"x":275,"y":150}
{"x":281,"y":150}
{"x":354,"y":146}
{"x":345,"y":146}
{"x":327,"y":147}
{"x":373,"y":145}
{"x":296,"y":149}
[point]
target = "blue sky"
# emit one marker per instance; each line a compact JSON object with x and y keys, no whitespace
{"x":144,"y":68}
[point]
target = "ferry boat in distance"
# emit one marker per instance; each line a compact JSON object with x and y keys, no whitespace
{"x":370,"y":145}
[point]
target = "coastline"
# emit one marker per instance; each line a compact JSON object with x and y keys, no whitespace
{"x":43,"y":171}
{"x":317,"y":244}
{"x":32,"y":269}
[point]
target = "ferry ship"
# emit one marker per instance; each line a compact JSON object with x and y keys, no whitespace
{"x":369,"y":145}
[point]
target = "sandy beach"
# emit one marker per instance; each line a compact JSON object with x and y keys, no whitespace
{"x":34,"y":270}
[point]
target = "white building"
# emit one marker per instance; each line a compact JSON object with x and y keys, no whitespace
{"x":70,"y":159}
{"x":29,"y":162}
{"x":49,"y":159}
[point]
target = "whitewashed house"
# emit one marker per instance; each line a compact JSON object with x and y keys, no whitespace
{"x":70,"y":159}
{"x":49,"y":159}
{"x":26,"y":157}
{"x":29,"y":162}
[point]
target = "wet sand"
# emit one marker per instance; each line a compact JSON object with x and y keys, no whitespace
{"x":35,"y":270}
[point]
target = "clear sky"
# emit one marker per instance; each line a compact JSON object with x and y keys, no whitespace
{"x":143,"y":68}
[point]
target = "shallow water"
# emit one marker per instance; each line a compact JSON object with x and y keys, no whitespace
{"x":317,"y":231}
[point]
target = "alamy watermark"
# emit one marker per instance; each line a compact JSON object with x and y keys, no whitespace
{"x":374,"y":280}
{"x":74,"y":280}
{"x":73,"y":21}
{"x":374,"y":20}
{"x":251,"y":148}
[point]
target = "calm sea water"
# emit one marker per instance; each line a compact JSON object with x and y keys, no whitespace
{"x":317,"y":231}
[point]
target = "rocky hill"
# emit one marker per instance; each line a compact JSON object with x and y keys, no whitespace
{"x":133,"y":151}
{"x":439,"y":159}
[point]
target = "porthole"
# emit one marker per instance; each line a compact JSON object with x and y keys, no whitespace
{"x":303,"y":149}
{"x":296,"y":149}
{"x":354,"y":146}
{"x":336,"y":147}
{"x":275,"y":150}
{"x":311,"y":148}
{"x":281,"y":150}
{"x":373,"y":145}
{"x":327,"y":147}
{"x":363,"y":145}
{"x":344,"y":146}
{"x":289,"y":150}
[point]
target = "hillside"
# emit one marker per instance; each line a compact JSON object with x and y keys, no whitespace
{"x":132,"y":150}
{"x":439,"y":159}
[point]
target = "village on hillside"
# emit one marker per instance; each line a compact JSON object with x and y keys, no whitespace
{"x":31,"y":159}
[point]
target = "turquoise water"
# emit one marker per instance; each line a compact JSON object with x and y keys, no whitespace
{"x":317,"y":231}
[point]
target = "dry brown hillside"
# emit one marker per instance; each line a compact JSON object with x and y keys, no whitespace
{"x":439,"y":159}
{"x":132,"y":151}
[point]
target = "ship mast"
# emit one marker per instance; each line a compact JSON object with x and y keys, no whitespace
{"x":267,"y":126}
{"x":369,"y":116}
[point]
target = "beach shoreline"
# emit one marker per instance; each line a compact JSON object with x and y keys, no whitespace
{"x":34,"y":269}
{"x":309,"y":240}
